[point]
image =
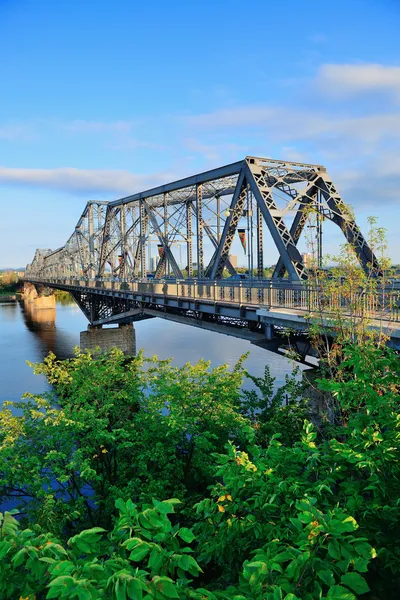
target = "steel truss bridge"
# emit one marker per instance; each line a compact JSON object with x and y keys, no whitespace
{"x":105,"y":262}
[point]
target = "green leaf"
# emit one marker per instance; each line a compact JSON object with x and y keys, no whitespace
{"x":326,"y":576}
{"x":120,"y":505}
{"x":8,"y":525}
{"x":155,"y":518}
{"x":84,"y":594}
{"x":346,"y":526}
{"x":120,"y":590}
{"x":86,"y":540}
{"x":155,"y":560}
{"x":356,"y":582}
{"x":139,"y":552}
{"x":166,"y":586}
{"x":361,"y":564}
{"x":188,"y":563}
{"x":334,"y":550}
{"x":186,"y":534}
{"x":338,"y":592}
{"x":19,"y":557}
{"x":364,"y":550}
{"x":60,"y":585}
{"x":166,"y":506}
{"x":135,"y":589}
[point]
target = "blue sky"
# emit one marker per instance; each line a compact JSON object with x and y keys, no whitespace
{"x":100,"y":99}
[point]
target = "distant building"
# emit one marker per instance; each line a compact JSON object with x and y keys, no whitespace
{"x":153,"y":263}
{"x":307,"y":259}
{"x":233,"y":260}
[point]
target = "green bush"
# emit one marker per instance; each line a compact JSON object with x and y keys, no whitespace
{"x":116,"y":427}
{"x":272,"y":508}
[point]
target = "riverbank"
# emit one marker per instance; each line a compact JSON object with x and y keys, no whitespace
{"x":8,"y":297}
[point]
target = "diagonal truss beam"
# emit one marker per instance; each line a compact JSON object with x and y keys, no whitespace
{"x":341,"y":216}
{"x":217,"y":264}
{"x":215,"y":243}
{"x":163,"y":240}
{"x":283,"y":240}
{"x":299,"y":222}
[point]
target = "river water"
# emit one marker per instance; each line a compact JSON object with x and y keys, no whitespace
{"x":29,"y":337}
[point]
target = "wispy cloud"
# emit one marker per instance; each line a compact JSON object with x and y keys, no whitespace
{"x":119,"y":132}
{"x":358,"y":142}
{"x":344,"y":137}
{"x":346,"y":80}
{"x":17,"y":132}
{"x":83,"y":181}
{"x":242,"y":116}
{"x":214,"y":153}
{"x":288,"y":123}
{"x":373,"y":191}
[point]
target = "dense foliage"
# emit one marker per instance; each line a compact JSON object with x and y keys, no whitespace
{"x":270,"y":507}
{"x":116,"y":428}
{"x":8,"y":282}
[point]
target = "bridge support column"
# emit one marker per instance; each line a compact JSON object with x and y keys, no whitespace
{"x":28,"y":292}
{"x":40,"y":297}
{"x":269,"y":331}
{"x":98,"y":339}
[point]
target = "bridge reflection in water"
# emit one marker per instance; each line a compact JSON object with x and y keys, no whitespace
{"x":47,"y":334}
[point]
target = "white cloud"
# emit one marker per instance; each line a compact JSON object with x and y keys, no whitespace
{"x":293,"y":124}
{"x":358,"y":150}
{"x":87,"y":181}
{"x":374,"y":184}
{"x":345,"y":80}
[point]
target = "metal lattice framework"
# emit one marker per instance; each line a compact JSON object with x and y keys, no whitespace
{"x":117,"y":237}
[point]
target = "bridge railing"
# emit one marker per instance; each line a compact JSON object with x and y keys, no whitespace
{"x":384,"y":303}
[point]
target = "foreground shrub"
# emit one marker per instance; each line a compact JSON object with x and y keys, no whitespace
{"x":266,"y":515}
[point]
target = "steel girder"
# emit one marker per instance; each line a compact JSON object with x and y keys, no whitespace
{"x":97,"y":307}
{"x":118,"y":237}
{"x":341,"y":216}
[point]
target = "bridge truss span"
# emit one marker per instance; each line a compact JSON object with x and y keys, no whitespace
{"x":105,"y":264}
{"x":252,"y":197}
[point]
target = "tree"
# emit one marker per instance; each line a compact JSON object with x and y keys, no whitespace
{"x":347,"y":303}
{"x":8,"y":281}
{"x":115,"y":427}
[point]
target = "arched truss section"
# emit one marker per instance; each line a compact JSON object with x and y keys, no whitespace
{"x":170,"y":224}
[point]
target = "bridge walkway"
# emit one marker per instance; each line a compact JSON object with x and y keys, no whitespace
{"x":252,"y":304}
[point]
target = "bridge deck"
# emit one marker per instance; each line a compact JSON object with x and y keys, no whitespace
{"x":244,"y":304}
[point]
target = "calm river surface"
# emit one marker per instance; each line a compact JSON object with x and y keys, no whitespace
{"x":23,"y":338}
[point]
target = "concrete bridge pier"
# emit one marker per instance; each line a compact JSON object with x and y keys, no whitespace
{"x":38,"y":297}
{"x":100,"y":339}
{"x":269,"y":331}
